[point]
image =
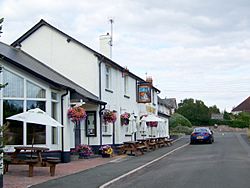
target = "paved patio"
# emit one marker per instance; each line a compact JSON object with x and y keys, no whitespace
{"x":17,"y":177}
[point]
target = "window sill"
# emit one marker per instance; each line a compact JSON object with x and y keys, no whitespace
{"x":126,"y":96}
{"x":108,"y":90}
{"x":107,"y":135}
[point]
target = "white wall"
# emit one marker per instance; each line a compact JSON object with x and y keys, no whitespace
{"x":68,"y":58}
{"x":117,"y":101}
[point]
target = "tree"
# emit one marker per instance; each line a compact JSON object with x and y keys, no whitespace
{"x":195,"y":111}
{"x":214,"y":110}
{"x":179,"y":120}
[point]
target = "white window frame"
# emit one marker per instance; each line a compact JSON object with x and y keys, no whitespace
{"x":107,"y":128}
{"x":126,"y":85}
{"x":56,"y":102}
{"x":47,"y":99}
{"x":108,"y":77}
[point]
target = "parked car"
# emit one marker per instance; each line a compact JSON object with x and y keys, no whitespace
{"x":202,"y":134}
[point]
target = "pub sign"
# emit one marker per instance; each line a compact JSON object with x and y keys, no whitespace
{"x":144,"y":92}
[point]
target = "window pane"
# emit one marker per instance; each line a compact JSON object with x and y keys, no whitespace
{"x":126,"y":84}
{"x":11,"y":107}
{"x":54,"y":135}
{"x":15,"y":85}
{"x":36,"y":104}
{"x":37,"y":133}
{"x":34,"y":91}
{"x":107,"y":81}
{"x":54,"y":110}
{"x":14,"y":132}
{"x":53,"y":96}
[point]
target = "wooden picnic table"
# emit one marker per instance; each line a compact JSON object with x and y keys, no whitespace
{"x":145,"y":142}
{"x":133,"y":147}
{"x":33,"y":158}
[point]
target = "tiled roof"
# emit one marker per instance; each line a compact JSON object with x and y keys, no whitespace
{"x":244,"y":106}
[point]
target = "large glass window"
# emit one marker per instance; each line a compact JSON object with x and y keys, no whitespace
{"x":34,"y":91}
{"x":36,"y":104}
{"x":15,"y":85}
{"x":21,"y":95}
{"x":36,"y":134}
{"x":14,"y":132}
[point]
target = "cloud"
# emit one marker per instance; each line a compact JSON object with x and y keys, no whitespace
{"x":198,"y":49}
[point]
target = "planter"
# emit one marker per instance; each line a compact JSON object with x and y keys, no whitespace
{"x":105,"y":155}
{"x":83,"y":156}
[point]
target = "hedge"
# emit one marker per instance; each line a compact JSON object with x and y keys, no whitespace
{"x":230,"y":123}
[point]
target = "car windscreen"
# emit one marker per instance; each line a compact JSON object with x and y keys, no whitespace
{"x":200,"y":130}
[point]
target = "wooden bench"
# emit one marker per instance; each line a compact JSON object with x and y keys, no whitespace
{"x":141,"y":149}
{"x":50,"y":162}
{"x":169,"y":142}
{"x":134,"y":147}
{"x":160,"y":143}
{"x":120,"y":149}
{"x":152,"y":145}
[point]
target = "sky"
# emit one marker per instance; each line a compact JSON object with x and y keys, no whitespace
{"x":196,"y":49}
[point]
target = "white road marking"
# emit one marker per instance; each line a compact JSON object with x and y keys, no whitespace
{"x":141,"y":167}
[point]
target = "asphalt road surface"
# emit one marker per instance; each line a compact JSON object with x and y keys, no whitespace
{"x":223,"y":164}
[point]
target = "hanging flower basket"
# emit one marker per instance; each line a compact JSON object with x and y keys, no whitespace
{"x":152,"y":124}
{"x":109,"y":117}
{"x":77,"y":114}
{"x":125,"y":118}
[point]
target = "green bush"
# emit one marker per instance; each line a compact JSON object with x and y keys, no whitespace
{"x":179,"y":120}
{"x":238,"y":124}
{"x":181,"y":129}
{"x":231,"y":123}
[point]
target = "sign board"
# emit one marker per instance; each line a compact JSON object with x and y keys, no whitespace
{"x":144,"y":92}
{"x":91,"y":124}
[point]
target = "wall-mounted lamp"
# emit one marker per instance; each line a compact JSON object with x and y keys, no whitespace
{"x":68,"y":40}
{"x":18,"y":46}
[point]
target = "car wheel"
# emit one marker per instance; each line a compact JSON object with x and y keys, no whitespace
{"x":210,"y":141}
{"x":191,"y":142}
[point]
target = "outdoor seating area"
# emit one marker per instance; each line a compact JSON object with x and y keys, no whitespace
{"x":32,"y":157}
{"x":140,"y":146}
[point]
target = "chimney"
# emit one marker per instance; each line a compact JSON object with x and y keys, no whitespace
{"x":149,"y":79}
{"x":105,"y":45}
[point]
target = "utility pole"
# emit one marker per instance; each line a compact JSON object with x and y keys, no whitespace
{"x":111,"y":36}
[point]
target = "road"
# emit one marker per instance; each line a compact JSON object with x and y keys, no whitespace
{"x":223,"y":164}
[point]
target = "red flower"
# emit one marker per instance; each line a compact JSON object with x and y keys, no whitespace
{"x":76,"y":114}
{"x":109,"y":116}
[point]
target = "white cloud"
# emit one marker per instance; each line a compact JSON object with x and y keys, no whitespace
{"x":198,"y":49}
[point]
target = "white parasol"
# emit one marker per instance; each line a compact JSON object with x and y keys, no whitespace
{"x":36,"y":116}
{"x":151,"y":118}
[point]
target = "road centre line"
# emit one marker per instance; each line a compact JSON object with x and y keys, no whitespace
{"x":141,"y":167}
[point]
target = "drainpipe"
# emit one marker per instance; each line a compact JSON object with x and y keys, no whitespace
{"x":100,"y":96}
{"x":62,"y":137}
{"x":100,"y":115}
